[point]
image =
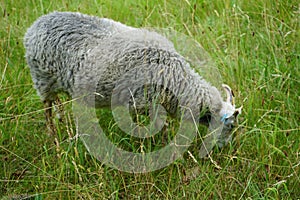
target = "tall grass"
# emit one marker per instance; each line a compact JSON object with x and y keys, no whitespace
{"x":254,"y":44}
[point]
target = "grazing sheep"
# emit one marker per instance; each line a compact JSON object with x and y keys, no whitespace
{"x":69,"y":52}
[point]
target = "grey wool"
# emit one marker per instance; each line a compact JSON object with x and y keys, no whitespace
{"x":72,"y":52}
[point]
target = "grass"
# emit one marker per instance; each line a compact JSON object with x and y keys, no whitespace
{"x":255,"y":46}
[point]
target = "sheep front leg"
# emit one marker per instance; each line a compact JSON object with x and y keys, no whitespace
{"x":48,"y":114}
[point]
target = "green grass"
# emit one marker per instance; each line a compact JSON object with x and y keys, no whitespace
{"x":254,"y":44}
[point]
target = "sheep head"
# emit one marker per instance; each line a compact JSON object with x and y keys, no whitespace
{"x":229,"y":115}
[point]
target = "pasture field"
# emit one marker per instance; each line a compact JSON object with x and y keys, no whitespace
{"x":255,"y":46}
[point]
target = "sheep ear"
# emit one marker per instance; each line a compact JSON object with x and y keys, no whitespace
{"x":229,"y":94}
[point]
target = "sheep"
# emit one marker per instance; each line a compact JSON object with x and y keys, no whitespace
{"x":70,"y":52}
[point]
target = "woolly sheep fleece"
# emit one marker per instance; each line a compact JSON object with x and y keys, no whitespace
{"x":70,"y":52}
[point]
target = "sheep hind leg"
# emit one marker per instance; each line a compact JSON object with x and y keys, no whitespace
{"x":59,"y":109}
{"x":49,"y":121}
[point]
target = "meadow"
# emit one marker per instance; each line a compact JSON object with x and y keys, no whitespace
{"x":254,"y":45}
